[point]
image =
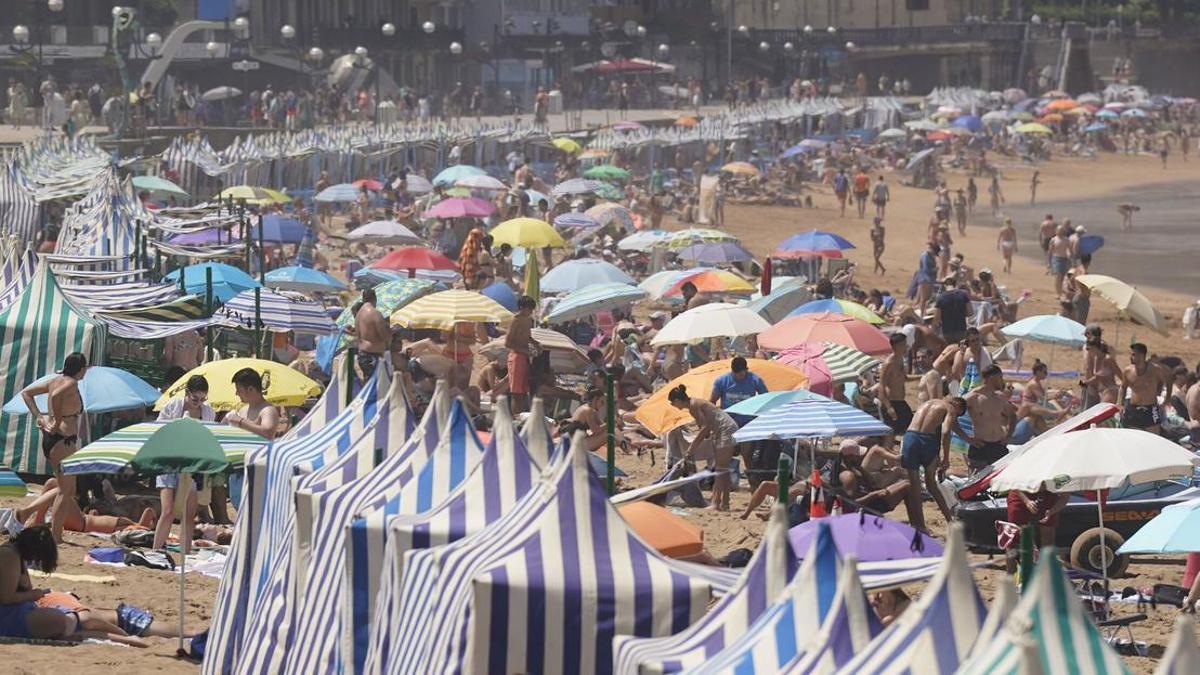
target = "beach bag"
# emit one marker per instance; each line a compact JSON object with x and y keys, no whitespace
{"x":134,"y":537}
{"x":158,"y":560}
{"x":107,"y":554}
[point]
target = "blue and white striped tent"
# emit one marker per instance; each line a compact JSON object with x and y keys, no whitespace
{"x":1002,"y":607}
{"x":1049,"y":616}
{"x":504,"y":476}
{"x":544,"y":589}
{"x":764,"y":579}
{"x":937,"y":632}
{"x":352,"y":558}
{"x":18,"y":208}
{"x":811,"y":417}
{"x":791,"y":619}
{"x":1183,"y":655}
{"x":278,"y":311}
{"x":325,"y":432}
{"x":847,"y":631}
{"x":17,"y":276}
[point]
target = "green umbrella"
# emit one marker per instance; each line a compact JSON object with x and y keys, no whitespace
{"x":389,"y":297}
{"x":156,"y":184}
{"x":606,"y":172}
{"x":533,"y":276}
{"x":608,"y":191}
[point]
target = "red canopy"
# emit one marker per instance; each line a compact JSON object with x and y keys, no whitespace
{"x":623,"y":66}
{"x":414,"y":258}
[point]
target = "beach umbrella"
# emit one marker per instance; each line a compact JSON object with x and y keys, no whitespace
{"x":1049,"y":328}
{"x":761,"y":403}
{"x":414,"y":258}
{"x":968,"y":122}
{"x":451,"y":175}
{"x":279,"y":230}
{"x":282,"y":385}
{"x":995,"y":116}
{"x":1183,"y":653}
{"x":303,"y":280}
{"x":868,"y":538}
{"x":1050,"y":118}
{"x":574,"y":275}
{"x":807,"y":146}
{"x":1033,"y":128}
{"x":610,"y":191}
{"x":659,"y":283}
{"x":942,"y":134}
{"x":442,"y":310}
{"x":461,"y":207}
{"x":644,"y":241}
{"x":812,"y":243}
{"x":526,"y":233}
{"x":342,"y":192}
{"x":1108,"y":114}
{"x":1126,"y":298}
{"x":711,"y":281}
{"x":892,"y":134}
{"x":480,"y":183}
{"x":740,"y":169}
{"x":590,"y":299}
{"x":659,"y":416}
{"x":414,"y":183}
{"x":384,"y":232}
{"x":825,"y":327}
{"x":220,"y":94}
{"x":698,"y":235}
{"x":503,"y":294}
{"x":536,"y":198}
{"x":1176,"y":529}
{"x":533,"y":278}
{"x":1013,"y":95}
{"x":391,"y":296}
{"x":842,"y":363}
{"x":836,"y":306}
{"x":371,"y":184}
{"x":922,"y":125}
{"x":715,"y":253}
{"x":279,"y":312}
{"x":1061,"y":105}
{"x":567,"y":145}
{"x":574,"y":219}
{"x":1095,"y":127}
{"x":815,"y":417}
{"x":103,"y":389}
{"x":669,"y":534}
{"x":785,"y":297}
{"x":606,"y":172}
{"x":716,"y":319}
{"x":227,"y":280}
{"x":565,"y":355}
{"x":577,"y":186}
{"x":115,"y":452}
{"x":1134,"y":112}
{"x":1089,"y":244}
{"x":615,"y":214}
{"x":158,"y":184}
{"x":252,"y":195}
{"x":1055,"y":93}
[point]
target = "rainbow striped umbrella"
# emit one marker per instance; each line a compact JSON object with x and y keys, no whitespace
{"x":114,"y":452}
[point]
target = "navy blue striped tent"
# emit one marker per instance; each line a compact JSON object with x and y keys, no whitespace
{"x":19,"y":216}
{"x":765,"y":578}
{"x":1183,"y":654}
{"x":848,"y":630}
{"x":544,"y":589}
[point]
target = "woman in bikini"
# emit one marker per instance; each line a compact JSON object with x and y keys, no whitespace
{"x":1106,"y":373}
{"x":716,"y":424}
{"x":60,"y":428}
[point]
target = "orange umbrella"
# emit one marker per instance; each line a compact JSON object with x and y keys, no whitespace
{"x":1051,"y":118}
{"x":825,"y":327}
{"x":686,"y":122}
{"x":713,"y":281}
{"x":669,"y":534}
{"x":1061,"y":104}
{"x":659,"y":416}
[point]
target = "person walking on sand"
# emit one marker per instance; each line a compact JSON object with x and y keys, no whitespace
{"x":1006,"y":243}
{"x":1034,"y":182}
{"x":1164,"y":149}
{"x":862,"y":190}
{"x":996,"y":195}
{"x":926,"y":441}
{"x":960,"y":211}
{"x":877,"y":244}
{"x":972,"y":194}
{"x":841,"y":189}
{"x":881,"y":195}
{"x":1127,"y":210}
{"x":1060,"y":257}
{"x":1045,"y":233}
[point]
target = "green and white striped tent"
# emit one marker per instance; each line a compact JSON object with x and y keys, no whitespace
{"x":1047,"y":626}
{"x":37,"y":331}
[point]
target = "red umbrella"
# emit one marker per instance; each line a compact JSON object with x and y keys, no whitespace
{"x":624,"y":66}
{"x":809,"y":360}
{"x":765,"y":281}
{"x":372,"y":184}
{"x":824,"y":327}
{"x":461,"y":207}
{"x":414,"y":258}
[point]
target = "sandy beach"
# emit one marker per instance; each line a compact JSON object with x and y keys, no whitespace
{"x":1156,"y":257}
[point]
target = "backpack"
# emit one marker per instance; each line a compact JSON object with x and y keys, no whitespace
{"x":158,"y":560}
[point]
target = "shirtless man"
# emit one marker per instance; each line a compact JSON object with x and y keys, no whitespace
{"x":374,"y":336}
{"x":518,"y":341}
{"x":873,"y":476}
{"x":923,"y":446}
{"x":933,"y":383}
{"x":1045,"y":233}
{"x":896,"y":412}
{"x":60,"y":428}
{"x":1144,"y":381}
{"x":589,"y":415}
{"x":992,"y":420}
{"x":185,"y":350}
{"x":1060,"y":257}
{"x":258,"y":416}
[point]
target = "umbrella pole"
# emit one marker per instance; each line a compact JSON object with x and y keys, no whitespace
{"x":262,"y":254}
{"x":185,"y":486}
{"x":1103,"y":552}
{"x":257,"y":322}
{"x":208,"y":308}
{"x":783,"y":479}
{"x":610,"y":422}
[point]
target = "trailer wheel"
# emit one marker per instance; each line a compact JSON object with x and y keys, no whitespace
{"x":1085,"y":552}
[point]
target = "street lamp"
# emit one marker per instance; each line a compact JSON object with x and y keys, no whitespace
{"x":212,"y":48}
{"x":389,"y":29}
{"x":456,"y":48}
{"x":20,"y":34}
{"x":743,"y":30}
{"x":154,"y":42}
{"x":316,"y":55}
{"x":664,"y":50}
{"x":428,"y":27}
{"x":54,"y":5}
{"x":21,"y":37}
{"x":831,"y":30}
{"x":764,"y":46}
{"x":241,"y":27}
{"x":287,"y":32}
{"x":789,"y":47}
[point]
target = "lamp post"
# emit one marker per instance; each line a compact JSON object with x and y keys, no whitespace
{"x":310,"y":60}
{"x":21,"y":41}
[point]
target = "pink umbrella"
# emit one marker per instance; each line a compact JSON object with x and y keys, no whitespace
{"x":372,"y":184}
{"x":824,"y":327}
{"x":808,"y":359}
{"x":461,"y":207}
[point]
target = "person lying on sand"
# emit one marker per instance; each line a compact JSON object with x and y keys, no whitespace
{"x":76,"y":520}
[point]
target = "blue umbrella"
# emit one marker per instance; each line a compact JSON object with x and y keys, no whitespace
{"x":578,"y":186}
{"x":1134,"y":112}
{"x":536,"y":197}
{"x":575,"y":274}
{"x":1090,"y":243}
{"x":971,"y":122}
{"x":1108,"y":114}
{"x":815,"y":240}
{"x":1176,"y":529}
{"x":717,"y":252}
{"x":503,"y":294}
{"x":451,"y":175}
{"x":303,"y":279}
{"x":227,"y":280}
{"x":342,"y":192}
{"x":576,"y":219}
{"x":1096,"y":126}
{"x":1049,"y":328}
{"x":103,"y":389}
{"x":280,"y":229}
{"x":757,"y":405}
{"x":813,"y":417}
{"x":591,"y":299}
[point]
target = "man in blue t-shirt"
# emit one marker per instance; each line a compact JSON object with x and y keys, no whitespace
{"x":737,"y":385}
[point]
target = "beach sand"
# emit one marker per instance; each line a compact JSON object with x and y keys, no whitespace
{"x":1083,"y":190}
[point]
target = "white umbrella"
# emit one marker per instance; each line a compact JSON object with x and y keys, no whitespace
{"x":384,"y":232}
{"x":1096,"y":459}
{"x":718,"y":319}
{"x":480,"y":183}
{"x":414,"y":183}
{"x":221,"y":93}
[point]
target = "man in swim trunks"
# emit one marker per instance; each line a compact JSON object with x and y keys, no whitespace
{"x":518,"y":341}
{"x":992,"y":419}
{"x":1144,"y":381}
{"x":1045,"y":233}
{"x":1060,"y":257}
{"x":926,"y":440}
{"x":374,"y":335}
{"x":892,"y":377}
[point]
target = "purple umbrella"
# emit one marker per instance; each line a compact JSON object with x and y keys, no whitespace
{"x":869,"y":538}
{"x":204,"y":237}
{"x":461,"y":207}
{"x":715,"y":253}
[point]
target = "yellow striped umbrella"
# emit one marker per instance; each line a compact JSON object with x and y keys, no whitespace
{"x":253,"y":195}
{"x":526,"y":233}
{"x":697,"y":235}
{"x":442,"y":310}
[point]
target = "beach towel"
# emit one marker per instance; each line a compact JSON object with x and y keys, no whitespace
{"x":82,"y":578}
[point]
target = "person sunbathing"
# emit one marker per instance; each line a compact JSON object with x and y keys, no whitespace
{"x":76,"y":520}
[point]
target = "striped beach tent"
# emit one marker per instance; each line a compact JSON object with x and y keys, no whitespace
{"x":504,"y":476}
{"x":278,"y":311}
{"x":37,"y":331}
{"x":1002,"y":606}
{"x":114,"y":452}
{"x":326,"y":431}
{"x":791,"y":619}
{"x":937,"y":633}
{"x":18,"y":208}
{"x":1050,"y":616}
{"x":324,"y":501}
{"x":17,"y":277}
{"x":848,"y":630}
{"x":1183,"y":655}
{"x":543,"y":589}
{"x":764,"y":579}
{"x":186,"y":308}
